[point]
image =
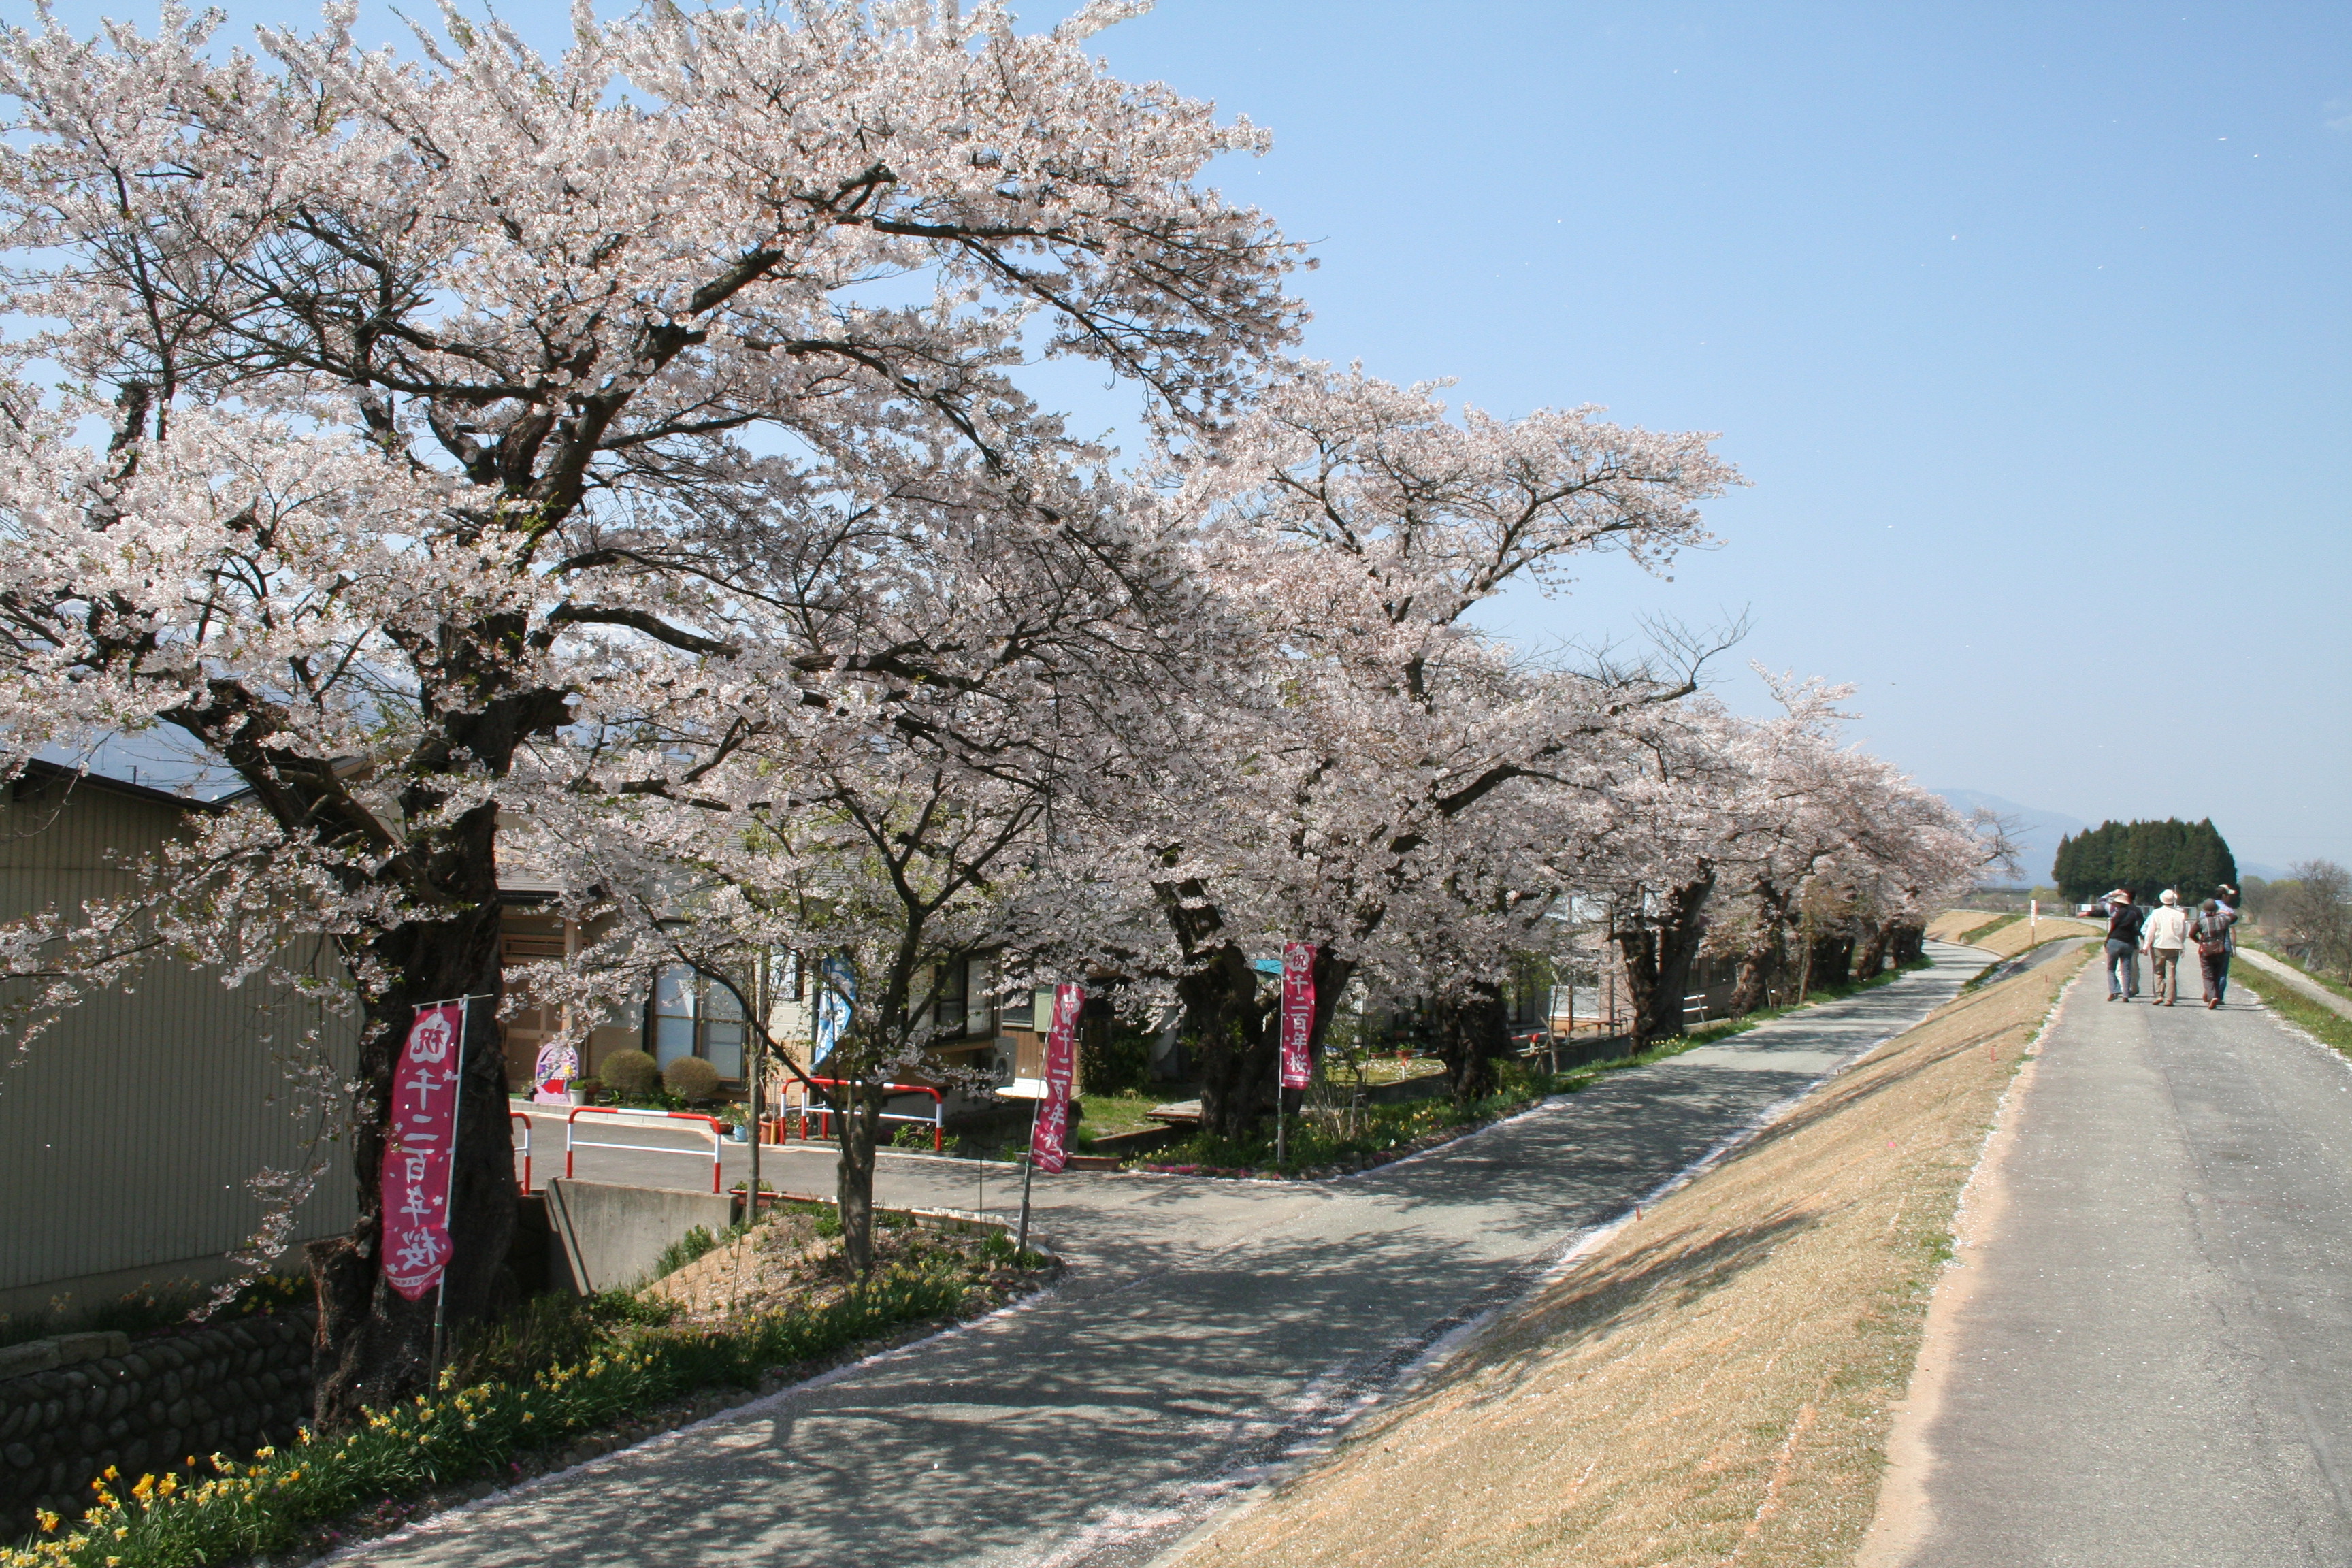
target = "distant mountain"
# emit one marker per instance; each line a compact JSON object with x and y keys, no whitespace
{"x":2038,"y":831}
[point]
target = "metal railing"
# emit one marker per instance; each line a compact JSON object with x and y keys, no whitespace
{"x":523,"y":1148}
{"x":936,"y":1121}
{"x":572,"y":1140}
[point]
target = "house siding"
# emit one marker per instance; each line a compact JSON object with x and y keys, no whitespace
{"x":129,"y":1132}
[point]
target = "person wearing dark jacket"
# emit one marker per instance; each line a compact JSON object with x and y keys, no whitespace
{"x":2124,"y":922}
{"x":2216,"y":939}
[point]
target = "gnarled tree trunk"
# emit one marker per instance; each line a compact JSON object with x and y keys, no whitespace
{"x":1231,"y":1028}
{"x":1758,"y":965}
{"x":1472,"y":1033}
{"x":1832,"y":959}
{"x":374,"y":1344}
{"x":1872,"y":956}
{"x":1658,"y":949}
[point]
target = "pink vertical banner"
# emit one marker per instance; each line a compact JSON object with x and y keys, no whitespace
{"x":1297,"y":1012}
{"x":1049,"y":1143}
{"x":419,"y":1153}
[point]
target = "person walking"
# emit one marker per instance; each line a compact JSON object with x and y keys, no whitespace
{"x":2123,"y":920}
{"x":2216,"y":939}
{"x":2164,"y":935}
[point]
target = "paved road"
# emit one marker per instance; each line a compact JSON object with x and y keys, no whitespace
{"x":2153,"y":1365}
{"x":1205,"y":1329}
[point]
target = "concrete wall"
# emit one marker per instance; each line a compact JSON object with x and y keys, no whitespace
{"x":606,"y":1237}
{"x":129,"y":1133}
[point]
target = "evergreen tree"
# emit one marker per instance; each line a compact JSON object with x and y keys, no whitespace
{"x":2146,"y":857}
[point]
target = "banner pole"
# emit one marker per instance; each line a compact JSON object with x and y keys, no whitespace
{"x":1028,"y":1174}
{"x":1280,"y":1124}
{"x":450,"y":1199}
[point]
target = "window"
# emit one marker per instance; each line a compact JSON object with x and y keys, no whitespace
{"x":948,"y":992}
{"x":964,"y":1003}
{"x":691,"y":1016}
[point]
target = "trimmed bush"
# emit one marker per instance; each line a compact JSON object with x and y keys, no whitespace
{"x":692,"y":1080}
{"x":630,"y":1075}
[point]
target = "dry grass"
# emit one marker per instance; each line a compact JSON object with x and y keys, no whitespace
{"x":2012,"y":939}
{"x":1712,"y":1384}
{"x":1948,"y":925}
{"x":788,"y":1261}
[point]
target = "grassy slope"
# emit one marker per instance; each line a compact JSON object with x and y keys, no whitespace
{"x":2321,"y":1023}
{"x":2012,"y":939}
{"x":1712,"y":1382}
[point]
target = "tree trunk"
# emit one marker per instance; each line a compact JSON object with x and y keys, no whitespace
{"x":1637,"y":950}
{"x":1657,"y":952}
{"x":1756,"y":967}
{"x":860,"y":1124}
{"x":1237,"y":1050}
{"x":1907,"y":944}
{"x":374,"y":1344}
{"x":1680,"y":934}
{"x":1472,"y":1035}
{"x":1874,"y":952}
{"x":1832,"y":957}
{"x":1762,"y":962}
{"x":1332,"y":977}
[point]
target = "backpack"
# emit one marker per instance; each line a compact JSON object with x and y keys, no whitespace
{"x":2213,"y":935}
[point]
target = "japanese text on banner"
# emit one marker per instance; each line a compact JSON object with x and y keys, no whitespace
{"x":418,"y":1155}
{"x":1049,"y":1145}
{"x":1297,"y":1012}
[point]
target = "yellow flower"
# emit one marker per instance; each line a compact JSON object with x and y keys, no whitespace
{"x":167,"y":1486}
{"x":144,"y":1488}
{"x":265,"y":1453}
{"x":110,"y":1474}
{"x":48,"y":1521}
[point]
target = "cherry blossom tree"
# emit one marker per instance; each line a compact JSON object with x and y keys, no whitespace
{"x":443,"y":402}
{"x":1351,"y":525}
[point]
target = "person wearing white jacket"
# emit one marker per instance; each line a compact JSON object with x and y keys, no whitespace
{"x":2166,"y":933}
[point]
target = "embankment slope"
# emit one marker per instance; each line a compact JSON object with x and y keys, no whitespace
{"x":1712,"y":1383}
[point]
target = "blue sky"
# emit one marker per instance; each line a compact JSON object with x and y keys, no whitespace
{"x":2029,"y":323}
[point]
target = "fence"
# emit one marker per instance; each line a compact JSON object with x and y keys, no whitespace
{"x":823,"y":1112}
{"x":573,"y":1140}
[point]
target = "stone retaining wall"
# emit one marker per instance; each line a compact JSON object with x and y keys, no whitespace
{"x":73,"y":1406}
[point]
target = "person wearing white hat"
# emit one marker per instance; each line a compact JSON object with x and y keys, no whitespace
{"x":2164,"y":935}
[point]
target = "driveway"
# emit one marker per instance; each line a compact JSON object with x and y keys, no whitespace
{"x":1205,"y":1329}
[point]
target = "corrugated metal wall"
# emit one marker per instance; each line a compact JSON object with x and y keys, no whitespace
{"x":129,"y":1136}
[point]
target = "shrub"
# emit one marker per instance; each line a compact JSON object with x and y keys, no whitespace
{"x":692,"y":1080}
{"x":694,"y":1244}
{"x":911,"y":1137}
{"x":630,"y":1075}
{"x":1114,"y":1056}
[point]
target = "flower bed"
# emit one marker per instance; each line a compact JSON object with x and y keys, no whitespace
{"x":494,"y":1429}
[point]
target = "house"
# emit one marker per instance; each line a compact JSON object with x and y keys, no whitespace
{"x":132,"y":1128}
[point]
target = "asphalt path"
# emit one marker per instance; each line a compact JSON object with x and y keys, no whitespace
{"x":2153,"y":1365}
{"x":1205,"y":1331}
